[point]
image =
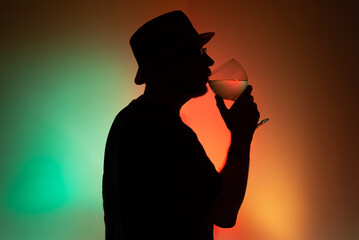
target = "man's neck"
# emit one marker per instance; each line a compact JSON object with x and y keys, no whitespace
{"x":165,"y":98}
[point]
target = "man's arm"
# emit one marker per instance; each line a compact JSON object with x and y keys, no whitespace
{"x":241,"y":119}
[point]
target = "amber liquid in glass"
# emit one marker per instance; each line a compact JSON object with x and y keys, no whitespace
{"x":229,"y":89}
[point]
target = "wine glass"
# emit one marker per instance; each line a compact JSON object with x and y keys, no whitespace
{"x":229,"y":81}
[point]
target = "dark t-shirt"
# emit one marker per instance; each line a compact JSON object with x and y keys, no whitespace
{"x":158,"y":182}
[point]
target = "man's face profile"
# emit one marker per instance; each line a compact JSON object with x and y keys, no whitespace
{"x":187,"y":71}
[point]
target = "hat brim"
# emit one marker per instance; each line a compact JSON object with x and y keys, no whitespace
{"x":203,"y":38}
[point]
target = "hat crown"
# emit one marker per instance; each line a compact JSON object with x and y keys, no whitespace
{"x":160,"y":34}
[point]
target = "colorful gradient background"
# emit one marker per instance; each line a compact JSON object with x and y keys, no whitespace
{"x":67,"y":69}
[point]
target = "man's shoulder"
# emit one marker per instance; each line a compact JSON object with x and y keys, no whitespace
{"x":146,"y":118}
{"x":147,"y":112}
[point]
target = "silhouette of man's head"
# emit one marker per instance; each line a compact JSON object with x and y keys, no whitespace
{"x":170,"y":56}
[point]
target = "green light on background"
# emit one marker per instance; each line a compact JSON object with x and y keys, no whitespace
{"x":57,"y":106}
{"x":40,"y":187}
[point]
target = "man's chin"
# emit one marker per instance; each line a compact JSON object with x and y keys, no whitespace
{"x":199,"y":92}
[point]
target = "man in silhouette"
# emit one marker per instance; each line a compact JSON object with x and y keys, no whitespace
{"x":158,"y":182}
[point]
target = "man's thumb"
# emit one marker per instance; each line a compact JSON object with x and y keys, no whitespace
{"x":220,"y":104}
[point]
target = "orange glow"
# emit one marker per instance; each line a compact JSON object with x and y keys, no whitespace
{"x":298,"y":166}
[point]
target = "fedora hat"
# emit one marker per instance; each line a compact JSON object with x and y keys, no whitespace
{"x":161,"y":36}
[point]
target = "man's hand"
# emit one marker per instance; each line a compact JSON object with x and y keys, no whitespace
{"x":242,"y":118}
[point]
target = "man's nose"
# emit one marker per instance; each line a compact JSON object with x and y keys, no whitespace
{"x":209,"y":61}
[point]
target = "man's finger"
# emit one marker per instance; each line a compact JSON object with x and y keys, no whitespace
{"x":245,"y":95}
{"x":221,"y":106}
{"x":247,"y":92}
